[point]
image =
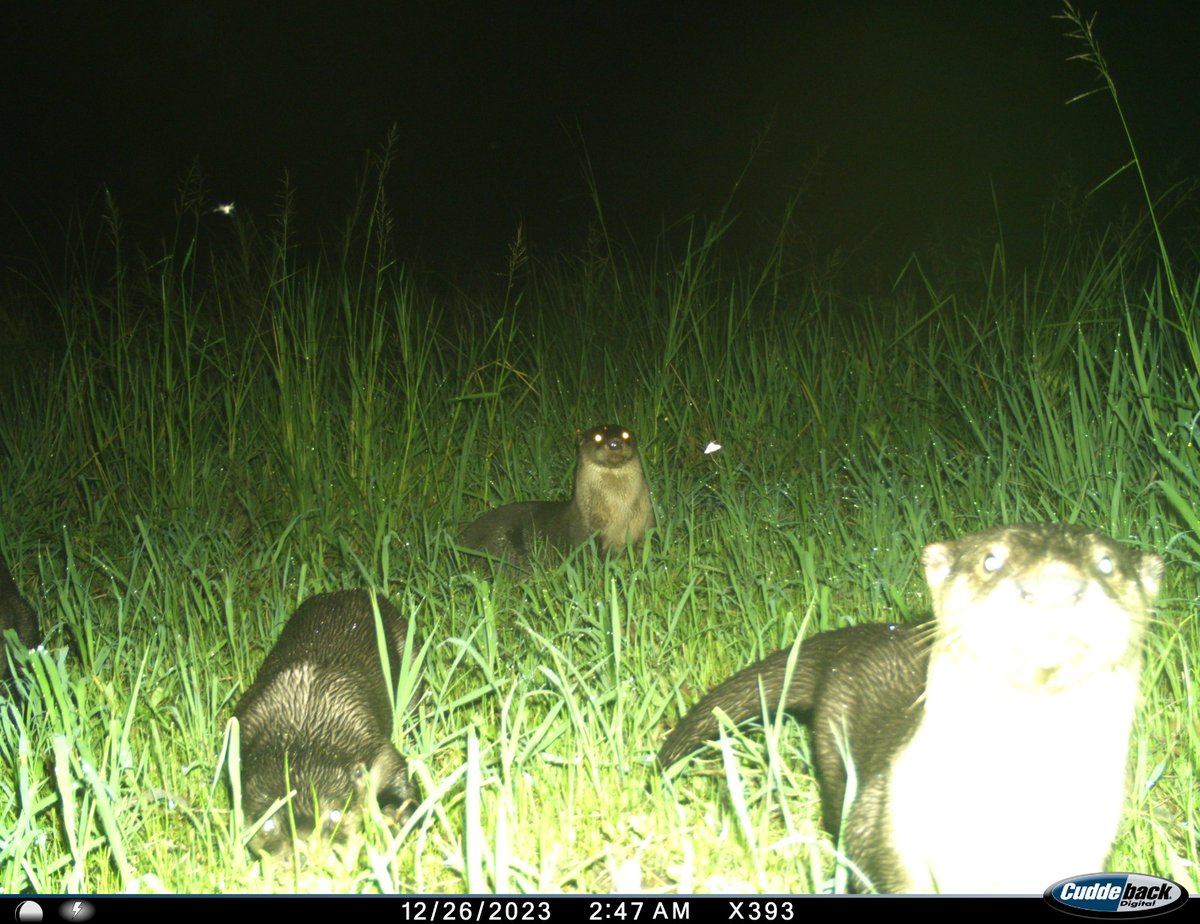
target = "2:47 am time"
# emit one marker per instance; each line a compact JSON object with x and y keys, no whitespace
{"x":626,"y":909}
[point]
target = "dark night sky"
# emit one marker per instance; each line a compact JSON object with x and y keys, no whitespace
{"x":895,"y":118}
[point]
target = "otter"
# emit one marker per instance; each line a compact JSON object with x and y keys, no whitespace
{"x":318,"y":719}
{"x":15,"y":614}
{"x":989,"y":745}
{"x":611,"y":502}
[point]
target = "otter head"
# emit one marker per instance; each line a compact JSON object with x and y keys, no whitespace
{"x":327,"y":790}
{"x":1043,"y":603}
{"x":608,"y":445}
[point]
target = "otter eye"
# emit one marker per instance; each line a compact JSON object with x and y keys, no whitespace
{"x":335,"y":816}
{"x":269,"y":826}
{"x":993,"y":562}
{"x":1106,"y":566}
{"x":625,"y":435}
{"x":599,"y":437}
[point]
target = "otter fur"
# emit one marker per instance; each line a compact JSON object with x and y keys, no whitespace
{"x":611,"y":502}
{"x":989,"y":745}
{"x":318,"y":718}
{"x":15,"y":614}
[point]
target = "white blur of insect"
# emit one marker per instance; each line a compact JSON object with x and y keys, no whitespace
{"x":712,"y":447}
{"x":225,"y":208}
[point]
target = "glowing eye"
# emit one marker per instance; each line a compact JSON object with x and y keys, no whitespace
{"x":1106,"y":566}
{"x":335,"y":816}
{"x":269,"y":825}
{"x":993,"y":563}
{"x":599,"y":437}
{"x":626,"y":435}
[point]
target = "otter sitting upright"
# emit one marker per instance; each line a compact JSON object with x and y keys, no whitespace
{"x":611,"y":502}
{"x":988,"y":746}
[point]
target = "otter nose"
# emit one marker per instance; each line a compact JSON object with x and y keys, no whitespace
{"x":615,"y":443}
{"x":1057,"y":586}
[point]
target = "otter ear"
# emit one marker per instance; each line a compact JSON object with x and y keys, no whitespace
{"x":389,"y":776}
{"x":1151,"y":573}
{"x":361,"y":777}
{"x":938,"y":562}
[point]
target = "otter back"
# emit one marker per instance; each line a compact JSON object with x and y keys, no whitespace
{"x":988,"y":746}
{"x":318,"y":718}
{"x":611,"y":502}
{"x":15,"y":614}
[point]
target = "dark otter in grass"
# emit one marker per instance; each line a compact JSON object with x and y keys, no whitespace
{"x":989,"y":745}
{"x":318,"y":719}
{"x":15,"y":614}
{"x":611,"y":502}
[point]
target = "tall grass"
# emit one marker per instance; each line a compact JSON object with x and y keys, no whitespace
{"x":196,"y":442}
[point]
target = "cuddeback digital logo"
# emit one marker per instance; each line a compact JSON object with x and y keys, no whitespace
{"x":1098,"y":895}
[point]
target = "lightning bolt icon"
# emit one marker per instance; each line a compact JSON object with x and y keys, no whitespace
{"x":75,"y":910}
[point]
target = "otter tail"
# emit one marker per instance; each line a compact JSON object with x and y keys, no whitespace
{"x":743,"y":695}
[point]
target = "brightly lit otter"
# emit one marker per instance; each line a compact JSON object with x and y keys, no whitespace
{"x":989,"y":746}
